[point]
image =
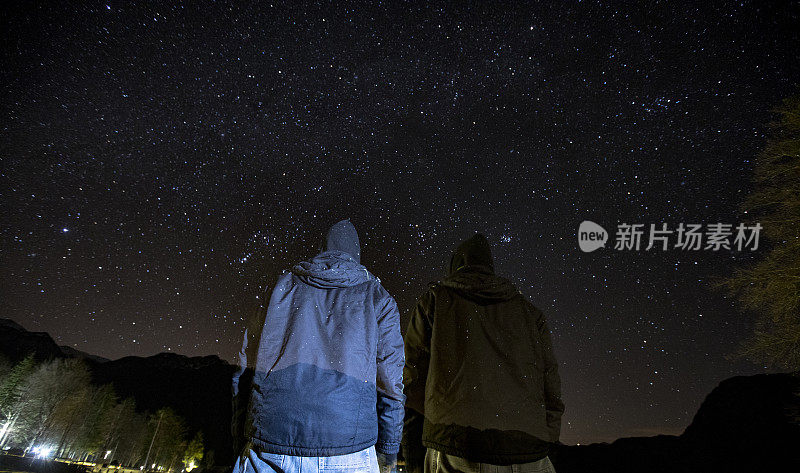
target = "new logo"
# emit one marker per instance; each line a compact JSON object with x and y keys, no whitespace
{"x":591,"y":236}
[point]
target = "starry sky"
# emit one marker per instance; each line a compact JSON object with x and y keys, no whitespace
{"x":161,"y":163}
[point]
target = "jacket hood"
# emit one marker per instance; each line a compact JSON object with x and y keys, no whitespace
{"x":474,"y":251}
{"x":331,"y":269}
{"x":342,"y":236}
{"x":472,"y":273}
{"x":478,"y":284}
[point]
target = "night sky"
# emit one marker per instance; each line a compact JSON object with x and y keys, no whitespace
{"x":161,"y":165}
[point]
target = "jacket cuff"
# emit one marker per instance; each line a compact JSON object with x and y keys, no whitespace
{"x":386,"y":459}
{"x":387,"y":448}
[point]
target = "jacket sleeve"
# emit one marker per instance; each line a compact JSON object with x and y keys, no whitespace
{"x":415,"y":374}
{"x":241,"y":385}
{"x":242,"y":381}
{"x":412,"y":447}
{"x":418,"y":353}
{"x":389,"y":378}
{"x":554,"y":407}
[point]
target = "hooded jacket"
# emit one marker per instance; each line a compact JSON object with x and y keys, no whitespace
{"x":480,"y":371}
{"x":326,"y":377}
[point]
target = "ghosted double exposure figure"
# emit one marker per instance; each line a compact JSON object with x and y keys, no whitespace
{"x":320,"y":387}
{"x":482,"y":385}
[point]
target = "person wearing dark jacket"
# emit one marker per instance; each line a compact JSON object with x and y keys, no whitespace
{"x":480,"y":375}
{"x":322,"y":388}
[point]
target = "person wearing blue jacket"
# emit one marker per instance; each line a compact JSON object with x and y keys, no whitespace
{"x":322,"y":389}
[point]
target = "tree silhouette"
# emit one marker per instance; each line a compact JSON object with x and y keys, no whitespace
{"x":5,"y":368}
{"x":48,"y":397}
{"x":771,"y":287}
{"x":10,"y":393}
{"x":54,"y":404}
{"x":168,"y":438}
{"x":194,"y":452}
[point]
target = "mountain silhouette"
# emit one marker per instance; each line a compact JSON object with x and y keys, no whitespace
{"x":746,"y":423}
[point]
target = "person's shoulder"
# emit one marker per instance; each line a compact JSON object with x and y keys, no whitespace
{"x":284,"y":278}
{"x":533,"y":312}
{"x":434,"y":289}
{"x":282,"y":281}
{"x":377,"y":289}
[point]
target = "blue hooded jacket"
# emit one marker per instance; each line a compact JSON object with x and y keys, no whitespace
{"x":326,"y":378}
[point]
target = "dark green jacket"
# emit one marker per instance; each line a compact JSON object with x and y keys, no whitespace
{"x":480,"y":367}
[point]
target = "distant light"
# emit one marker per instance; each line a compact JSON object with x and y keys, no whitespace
{"x":5,"y":429}
{"x":65,"y":230}
{"x":108,"y":452}
{"x":42,"y":451}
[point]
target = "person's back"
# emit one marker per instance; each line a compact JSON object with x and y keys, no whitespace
{"x":480,"y":368}
{"x":327,"y":379}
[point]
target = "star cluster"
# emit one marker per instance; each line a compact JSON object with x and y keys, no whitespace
{"x":163,"y":163}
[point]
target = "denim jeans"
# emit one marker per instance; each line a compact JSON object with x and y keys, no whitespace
{"x":365,"y":461}
{"x":438,"y":462}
